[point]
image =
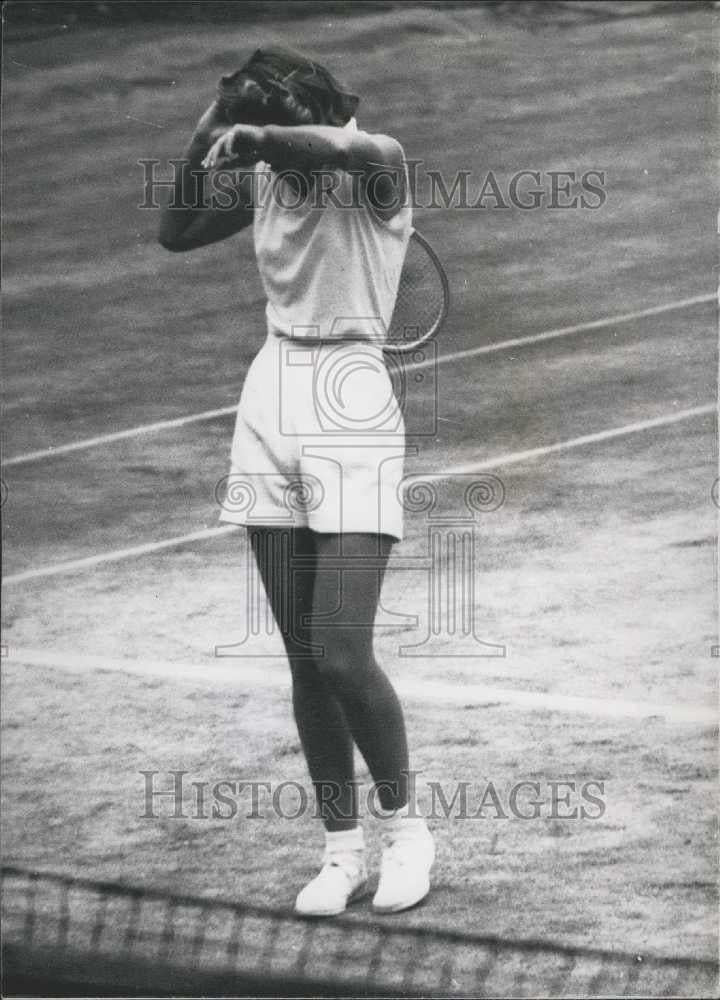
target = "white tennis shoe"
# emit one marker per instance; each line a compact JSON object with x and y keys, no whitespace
{"x":343,"y":877}
{"x":405,"y":868}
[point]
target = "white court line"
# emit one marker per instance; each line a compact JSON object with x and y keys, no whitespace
{"x":564,"y":331}
{"x":93,"y":442}
{"x":503,"y":345}
{"x":522,"y":456}
{"x":118,"y":554}
{"x":252,"y":676}
{"x":490,"y":463}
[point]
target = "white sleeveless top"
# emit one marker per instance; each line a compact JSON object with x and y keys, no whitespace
{"x":329,"y":266}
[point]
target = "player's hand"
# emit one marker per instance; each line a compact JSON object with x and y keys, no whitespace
{"x":213,"y":122}
{"x":239,"y":146}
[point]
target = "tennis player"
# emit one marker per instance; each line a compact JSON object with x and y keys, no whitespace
{"x":319,"y":437}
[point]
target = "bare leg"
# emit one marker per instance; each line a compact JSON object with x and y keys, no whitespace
{"x":348,"y":578}
{"x":287,"y":560}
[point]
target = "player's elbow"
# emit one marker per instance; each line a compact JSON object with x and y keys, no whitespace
{"x":344,"y":148}
{"x":173,"y":244}
{"x":171,"y":234}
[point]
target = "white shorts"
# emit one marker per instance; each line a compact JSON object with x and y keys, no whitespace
{"x":319,"y":441}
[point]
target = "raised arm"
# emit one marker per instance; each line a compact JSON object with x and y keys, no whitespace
{"x":379,"y":159}
{"x":190,"y":219}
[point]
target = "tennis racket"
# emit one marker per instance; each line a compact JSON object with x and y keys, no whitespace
{"x":423,"y":298}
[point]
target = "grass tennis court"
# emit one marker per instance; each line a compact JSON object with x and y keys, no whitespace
{"x":597,"y":573}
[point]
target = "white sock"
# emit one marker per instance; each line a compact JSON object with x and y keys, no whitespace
{"x":405,"y":818}
{"x":344,"y":840}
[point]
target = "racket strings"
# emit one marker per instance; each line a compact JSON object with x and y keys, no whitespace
{"x":421,"y":300}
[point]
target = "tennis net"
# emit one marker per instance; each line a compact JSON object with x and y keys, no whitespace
{"x":66,"y":936}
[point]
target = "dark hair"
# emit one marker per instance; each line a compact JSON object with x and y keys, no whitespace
{"x":281,"y":87}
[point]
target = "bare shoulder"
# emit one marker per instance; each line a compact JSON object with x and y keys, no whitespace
{"x":379,"y":149}
{"x":382,"y":160}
